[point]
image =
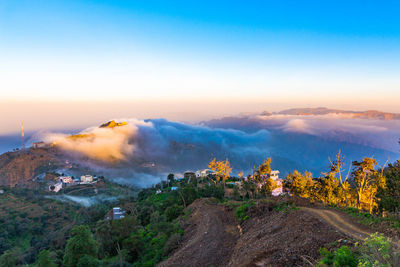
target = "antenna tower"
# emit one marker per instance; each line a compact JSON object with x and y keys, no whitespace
{"x":22,"y":135}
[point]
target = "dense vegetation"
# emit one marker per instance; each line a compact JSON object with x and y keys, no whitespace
{"x":69,"y":235}
{"x":362,"y":186}
{"x":45,"y":232}
{"x":30,"y":222}
{"x":375,"y":251}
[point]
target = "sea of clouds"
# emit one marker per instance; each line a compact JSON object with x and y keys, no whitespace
{"x":145,"y":151}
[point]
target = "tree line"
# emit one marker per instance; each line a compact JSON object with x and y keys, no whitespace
{"x":362,"y":184}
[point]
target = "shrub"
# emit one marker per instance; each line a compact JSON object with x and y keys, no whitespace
{"x":327,"y":257}
{"x":342,"y":257}
{"x":212,"y":191}
{"x":378,"y":250}
{"x":173,"y":212}
{"x":285,"y":207}
{"x":240,"y":212}
{"x":80,"y":244}
{"x":172,"y":243}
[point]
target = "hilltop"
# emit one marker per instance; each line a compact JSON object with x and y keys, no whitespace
{"x":112,"y":124}
{"x":21,"y":167}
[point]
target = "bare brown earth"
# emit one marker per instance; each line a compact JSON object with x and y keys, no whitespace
{"x":19,"y":168}
{"x":210,"y":234}
{"x":213,"y":236}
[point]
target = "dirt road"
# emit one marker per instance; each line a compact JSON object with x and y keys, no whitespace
{"x":210,"y":235}
{"x":340,"y":222}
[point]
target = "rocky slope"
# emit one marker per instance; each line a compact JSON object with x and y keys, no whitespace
{"x":20,"y":167}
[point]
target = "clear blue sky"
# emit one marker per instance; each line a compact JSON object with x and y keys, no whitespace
{"x":295,"y":52}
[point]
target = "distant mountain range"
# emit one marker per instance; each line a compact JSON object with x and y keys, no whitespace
{"x":369,"y":114}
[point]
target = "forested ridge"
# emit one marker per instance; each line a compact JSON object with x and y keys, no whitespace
{"x":38,"y":231}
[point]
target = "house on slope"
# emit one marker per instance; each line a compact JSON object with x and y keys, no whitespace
{"x":115,"y":214}
{"x":86,"y":179}
{"x":56,"y":187}
{"x":204,"y":173}
{"x":274,"y":175}
{"x":38,"y":144}
{"x":66,"y":180}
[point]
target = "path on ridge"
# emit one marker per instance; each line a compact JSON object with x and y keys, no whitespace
{"x":340,"y":222}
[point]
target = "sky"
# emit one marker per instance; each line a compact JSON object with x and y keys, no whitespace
{"x":168,"y":57}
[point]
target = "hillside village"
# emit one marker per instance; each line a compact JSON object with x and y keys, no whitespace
{"x":67,"y":181}
{"x":207,"y":175}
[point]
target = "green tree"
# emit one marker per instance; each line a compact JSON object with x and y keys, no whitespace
{"x":190,"y":194}
{"x":173,"y":212}
{"x":8,"y":259}
{"x":171,"y":178}
{"x":222,"y":169}
{"x":337,"y":166}
{"x":265,"y":167}
{"x":80,"y":244}
{"x":389,"y":197}
{"x":45,"y":260}
{"x":122,"y":228}
{"x":88,"y":261}
{"x":268,"y":186}
{"x":298,"y":184}
{"x":367,"y":181}
{"x":327,"y":187}
{"x":104,"y":236}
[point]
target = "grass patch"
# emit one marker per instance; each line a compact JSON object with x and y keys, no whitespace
{"x":187,"y":213}
{"x":241,"y":211}
{"x":231,"y":205}
{"x":369,"y":219}
{"x":285,"y":207}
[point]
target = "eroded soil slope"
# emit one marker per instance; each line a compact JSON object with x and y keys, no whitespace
{"x":213,"y":237}
{"x":210,"y":234}
{"x":290,"y":238}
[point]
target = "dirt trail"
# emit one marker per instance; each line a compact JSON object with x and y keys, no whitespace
{"x":268,"y":238}
{"x":340,"y":222}
{"x":210,"y":234}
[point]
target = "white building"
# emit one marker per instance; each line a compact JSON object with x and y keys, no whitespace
{"x":56,"y":187}
{"x":118,"y":213}
{"x":85,"y":179}
{"x":66,"y":179}
{"x":115,"y":214}
{"x":274,"y":175}
{"x":204,"y":173}
{"x":39,"y":144}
